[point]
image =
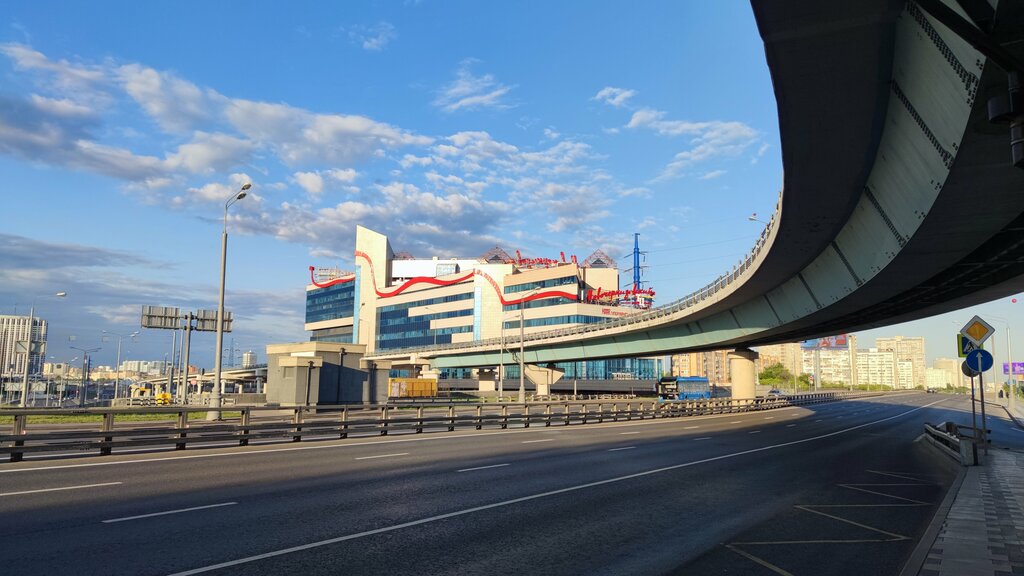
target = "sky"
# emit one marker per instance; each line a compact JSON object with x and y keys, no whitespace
{"x":452,"y":127}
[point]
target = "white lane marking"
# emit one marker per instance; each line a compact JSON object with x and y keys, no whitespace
{"x":382,"y":456}
{"x":126,"y":518}
{"x":482,"y":468}
{"x":690,"y":427}
{"x":623,"y":448}
{"x":817,"y":420}
{"x":754,"y":432}
{"x":769,"y":417}
{"x":702,"y":438}
{"x":535,"y":441}
{"x":627,"y":433}
{"x":537,"y":496}
{"x":57,"y":489}
{"x":736,"y":422}
{"x":1016,"y":429}
{"x":790,"y":425}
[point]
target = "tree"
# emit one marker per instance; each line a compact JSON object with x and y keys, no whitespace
{"x":775,"y":375}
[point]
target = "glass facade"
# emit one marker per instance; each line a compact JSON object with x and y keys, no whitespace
{"x":340,"y":334}
{"x":550,"y":283}
{"x":556,"y":321}
{"x":396,"y":328}
{"x":329,"y":303}
{"x":543,"y":302}
{"x":611,"y":369}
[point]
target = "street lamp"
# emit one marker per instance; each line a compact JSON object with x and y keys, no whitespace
{"x":753,"y":218}
{"x":84,"y":388}
{"x":28,"y":348}
{"x":219,"y":353}
{"x":117,"y":367}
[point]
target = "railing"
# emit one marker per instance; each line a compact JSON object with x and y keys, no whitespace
{"x":950,"y":439}
{"x":684,"y":303}
{"x":292,"y":424}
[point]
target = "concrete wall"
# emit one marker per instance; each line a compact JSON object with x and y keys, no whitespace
{"x":338,"y":374}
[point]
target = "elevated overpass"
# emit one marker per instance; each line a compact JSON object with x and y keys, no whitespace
{"x":900,"y":197}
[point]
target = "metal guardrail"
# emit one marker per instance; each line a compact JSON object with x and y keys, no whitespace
{"x":950,"y":438}
{"x":292,"y":424}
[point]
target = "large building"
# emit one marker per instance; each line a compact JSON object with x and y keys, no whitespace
{"x":15,"y":329}
{"x":907,"y":349}
{"x":713,"y":365}
{"x":396,"y":301}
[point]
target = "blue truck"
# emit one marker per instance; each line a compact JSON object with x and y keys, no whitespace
{"x":684,"y":388}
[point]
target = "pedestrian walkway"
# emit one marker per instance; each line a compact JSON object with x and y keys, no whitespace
{"x":983,"y":534}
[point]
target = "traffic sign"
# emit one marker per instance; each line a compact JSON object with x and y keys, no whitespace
{"x":980,"y":360}
{"x":967,"y":370}
{"x":963,"y":345}
{"x":977,"y":330}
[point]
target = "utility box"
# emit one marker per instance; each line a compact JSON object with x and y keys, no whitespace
{"x":968,"y":452}
{"x":322,"y":373}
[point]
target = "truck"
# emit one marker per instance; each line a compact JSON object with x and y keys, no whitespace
{"x":684,"y":388}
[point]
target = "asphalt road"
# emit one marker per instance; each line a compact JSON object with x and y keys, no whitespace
{"x":838,"y":488}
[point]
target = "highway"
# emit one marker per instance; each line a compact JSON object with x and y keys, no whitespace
{"x":839,"y":488}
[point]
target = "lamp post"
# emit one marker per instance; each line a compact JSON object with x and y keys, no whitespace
{"x":219,"y":353}
{"x":64,"y":382}
{"x":117,"y":367}
{"x":28,"y":349}
{"x":84,"y":388}
{"x":522,"y":373}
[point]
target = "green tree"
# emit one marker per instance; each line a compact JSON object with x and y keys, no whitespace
{"x":775,"y":376}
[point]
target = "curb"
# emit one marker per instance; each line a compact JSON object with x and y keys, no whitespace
{"x":924,"y":546}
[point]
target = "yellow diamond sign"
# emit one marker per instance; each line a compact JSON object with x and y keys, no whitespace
{"x":977,"y":331}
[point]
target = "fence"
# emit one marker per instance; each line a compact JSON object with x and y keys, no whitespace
{"x":293,"y":424}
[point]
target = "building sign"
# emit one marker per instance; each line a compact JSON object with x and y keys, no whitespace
{"x":838,"y":342}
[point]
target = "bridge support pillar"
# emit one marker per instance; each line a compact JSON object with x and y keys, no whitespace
{"x":543,"y":377}
{"x":487,"y":380}
{"x":744,"y":373}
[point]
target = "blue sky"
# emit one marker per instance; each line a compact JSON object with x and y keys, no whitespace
{"x":451,"y":127}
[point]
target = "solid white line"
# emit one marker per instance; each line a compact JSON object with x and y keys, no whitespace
{"x":754,"y":432}
{"x":769,"y":417}
{"x":504,"y":503}
{"x":382,"y":456}
{"x":702,"y":438}
{"x":790,"y":425}
{"x":736,"y":422}
{"x":690,"y":427}
{"x":56,"y":489}
{"x":535,"y":441}
{"x":627,"y":433}
{"x":169,"y":512}
{"x":817,"y":420}
{"x":625,"y":448}
{"x":482,"y":468}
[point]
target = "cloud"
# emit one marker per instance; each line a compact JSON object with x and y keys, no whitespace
{"x":175,"y":104}
{"x":311,"y":182}
{"x":64,"y":74}
{"x":210,"y":152}
{"x":711,"y":139}
{"x":22,"y":253}
{"x":468,"y":92}
{"x":615,"y":96}
{"x":712,"y":175}
{"x":373,"y":38}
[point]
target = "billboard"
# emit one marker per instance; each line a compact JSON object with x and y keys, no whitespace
{"x":1018,"y":368}
{"x":838,"y":342}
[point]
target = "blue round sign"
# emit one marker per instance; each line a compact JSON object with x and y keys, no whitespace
{"x":979,"y":360}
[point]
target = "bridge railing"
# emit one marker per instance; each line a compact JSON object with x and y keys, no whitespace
{"x":720,"y":283}
{"x":272,"y":424}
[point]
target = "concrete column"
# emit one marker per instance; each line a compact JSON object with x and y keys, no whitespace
{"x":543,"y":377}
{"x":744,"y":377}
{"x":486,"y":378}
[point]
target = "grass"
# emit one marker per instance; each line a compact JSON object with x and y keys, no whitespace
{"x":97,"y":418}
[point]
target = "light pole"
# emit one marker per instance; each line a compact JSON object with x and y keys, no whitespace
{"x":64,"y":382}
{"x":522,"y":373}
{"x":28,"y":349}
{"x":218,"y":352}
{"x":753,"y":218}
{"x":117,"y":367}
{"x":84,"y":388}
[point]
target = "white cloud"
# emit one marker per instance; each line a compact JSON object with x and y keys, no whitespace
{"x":468,"y":92}
{"x":65,"y":74}
{"x":210,"y":152}
{"x":550,"y":134}
{"x":712,"y":175}
{"x":615,"y":96}
{"x":374,"y":38}
{"x":347,"y":175}
{"x":311,"y":182}
{"x":220,"y":192}
{"x":175,"y":104}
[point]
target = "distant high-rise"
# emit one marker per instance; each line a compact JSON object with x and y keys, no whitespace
{"x":712,"y":365}
{"x":876,"y":368}
{"x":789,"y":355}
{"x":14,"y":329}
{"x":249,"y":359}
{"x":906,"y":349}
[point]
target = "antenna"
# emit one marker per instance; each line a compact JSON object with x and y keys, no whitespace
{"x":637,"y":267}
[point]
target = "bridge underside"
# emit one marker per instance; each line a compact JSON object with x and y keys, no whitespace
{"x":900,"y":199}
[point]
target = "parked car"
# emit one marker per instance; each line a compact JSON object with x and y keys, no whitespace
{"x":775,"y":393}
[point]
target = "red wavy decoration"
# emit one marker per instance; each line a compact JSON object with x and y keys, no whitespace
{"x":428,"y":280}
{"x":332,"y":282}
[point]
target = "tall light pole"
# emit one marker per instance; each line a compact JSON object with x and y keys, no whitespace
{"x":84,"y":388}
{"x":28,"y":349}
{"x":117,"y":367}
{"x":522,"y":373}
{"x":218,"y":351}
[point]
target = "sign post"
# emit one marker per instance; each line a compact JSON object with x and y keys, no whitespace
{"x":981,"y":360}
